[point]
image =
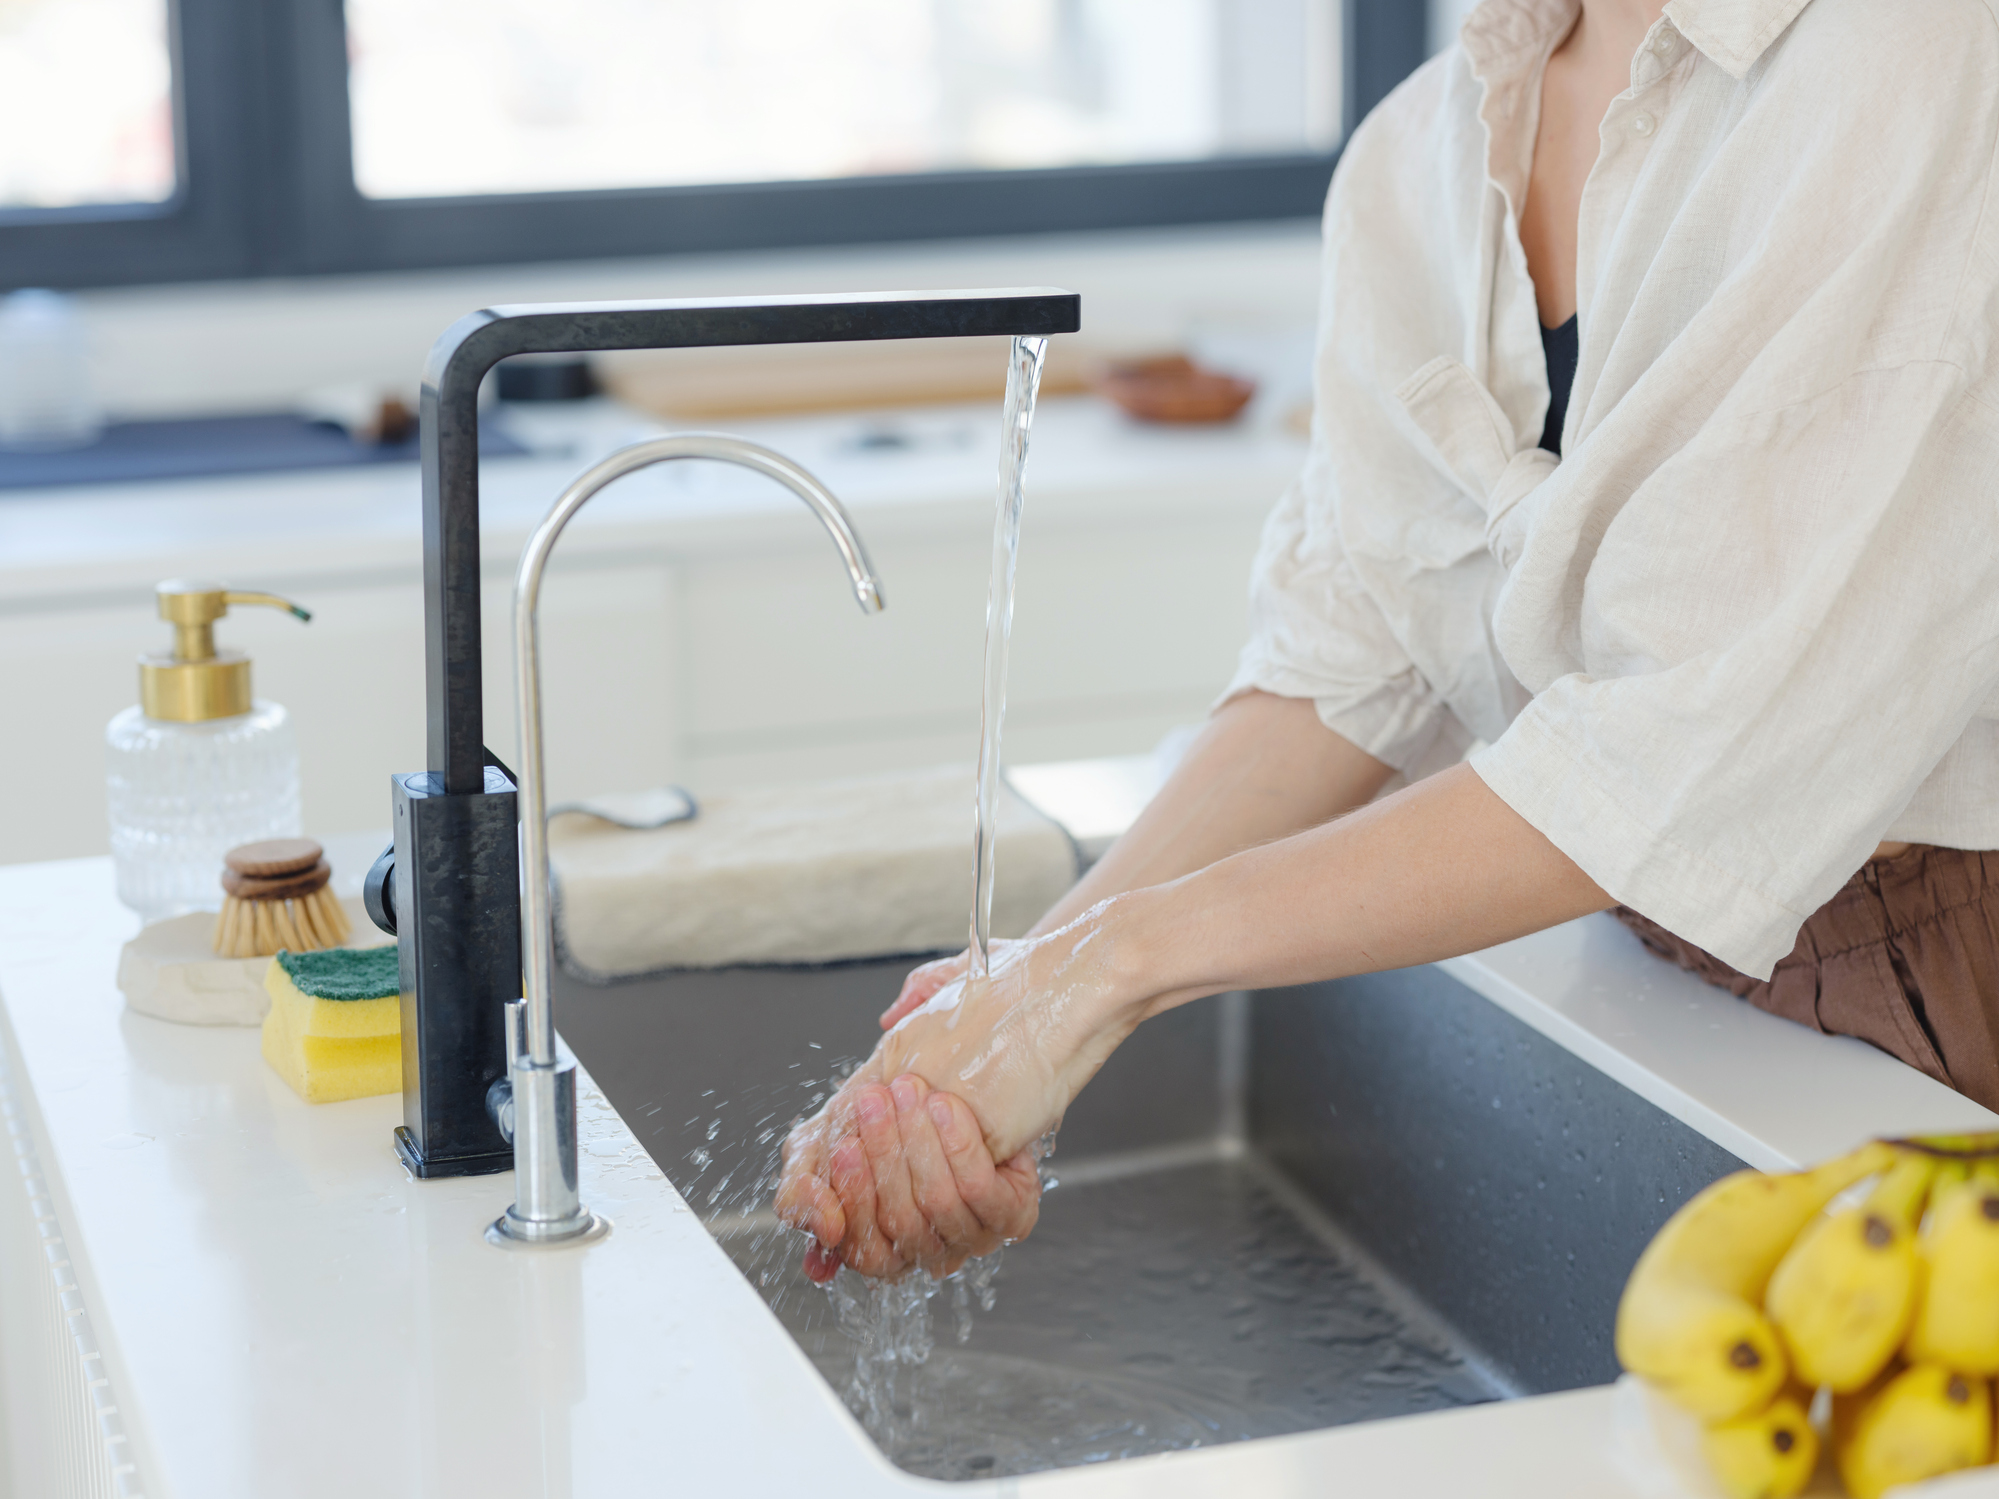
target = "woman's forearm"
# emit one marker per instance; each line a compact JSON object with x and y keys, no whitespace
{"x":1263,"y":768}
{"x":1441,"y":868}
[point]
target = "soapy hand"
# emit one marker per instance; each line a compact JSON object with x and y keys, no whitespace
{"x":889,"y":1174}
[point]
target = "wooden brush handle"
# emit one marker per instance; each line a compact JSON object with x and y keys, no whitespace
{"x":288,"y":887}
{"x":273,"y":858}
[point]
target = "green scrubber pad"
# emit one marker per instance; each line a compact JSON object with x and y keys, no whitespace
{"x":344,"y":972}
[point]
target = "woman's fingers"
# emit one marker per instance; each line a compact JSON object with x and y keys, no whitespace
{"x":864,"y":1247}
{"x":804,"y":1199}
{"x":1015,"y":1199}
{"x":922,"y":985}
{"x":1005,"y":1199}
{"x":821,"y":1265}
{"x":896,"y":1214}
{"x":955,"y":1226}
{"x":912,"y":1184}
{"x":806,"y":1202}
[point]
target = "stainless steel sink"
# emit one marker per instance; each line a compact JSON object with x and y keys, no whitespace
{"x":1275,"y":1212}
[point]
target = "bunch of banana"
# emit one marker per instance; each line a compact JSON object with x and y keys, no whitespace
{"x":1753,"y":1297}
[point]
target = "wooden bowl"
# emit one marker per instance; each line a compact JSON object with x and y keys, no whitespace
{"x":1174,"y":389}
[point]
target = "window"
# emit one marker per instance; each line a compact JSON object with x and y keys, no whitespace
{"x":454,"y":97}
{"x":86,"y":103}
{"x":190,"y":139}
{"x":1446,"y":16}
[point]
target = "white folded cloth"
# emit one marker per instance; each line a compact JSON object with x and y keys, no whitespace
{"x":855,"y":868}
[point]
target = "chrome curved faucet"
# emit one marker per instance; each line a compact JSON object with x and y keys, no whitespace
{"x":538,"y":1110}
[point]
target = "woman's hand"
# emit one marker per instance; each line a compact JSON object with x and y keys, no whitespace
{"x":1018,"y":1045}
{"x":882,"y":1176}
{"x":927,"y":978}
{"x":913,"y":1186}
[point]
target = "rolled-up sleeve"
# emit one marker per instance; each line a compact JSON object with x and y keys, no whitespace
{"x":1316,"y":632}
{"x":1788,"y":626}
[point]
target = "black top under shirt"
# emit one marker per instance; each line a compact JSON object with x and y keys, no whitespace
{"x":1558,"y":347}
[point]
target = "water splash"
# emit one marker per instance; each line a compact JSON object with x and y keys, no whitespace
{"x":1023,"y":382}
{"x":1043,"y":1149}
{"x":889,"y":1326}
{"x":888,"y":1322}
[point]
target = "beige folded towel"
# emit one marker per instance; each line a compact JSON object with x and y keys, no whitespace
{"x":798,"y":874}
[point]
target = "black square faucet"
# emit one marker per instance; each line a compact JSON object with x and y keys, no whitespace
{"x":450,"y":887}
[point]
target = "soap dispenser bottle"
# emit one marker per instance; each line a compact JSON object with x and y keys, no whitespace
{"x":199,"y":766}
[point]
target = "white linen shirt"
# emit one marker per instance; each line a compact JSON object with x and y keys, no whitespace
{"x":1748,"y":626}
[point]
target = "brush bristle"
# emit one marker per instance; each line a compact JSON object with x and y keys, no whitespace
{"x":248,"y":928}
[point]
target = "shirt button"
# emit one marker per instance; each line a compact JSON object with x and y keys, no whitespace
{"x":1663,"y":44}
{"x":1643,"y":124}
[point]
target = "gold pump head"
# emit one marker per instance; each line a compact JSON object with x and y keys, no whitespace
{"x":196,"y":682}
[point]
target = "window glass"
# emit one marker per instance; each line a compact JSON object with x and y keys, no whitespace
{"x":454,"y":97}
{"x":1446,"y":16}
{"x":86,"y":103}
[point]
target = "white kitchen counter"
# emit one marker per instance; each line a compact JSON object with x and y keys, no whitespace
{"x":275,"y":1307}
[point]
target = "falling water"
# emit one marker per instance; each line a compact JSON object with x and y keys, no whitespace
{"x":887,"y":1325}
{"x":1023,"y":380}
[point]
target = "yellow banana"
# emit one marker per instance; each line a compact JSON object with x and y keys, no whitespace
{"x":1689,"y":1318}
{"x":1949,"y":1174}
{"x":1844,"y":1295}
{"x":1962,"y":1147}
{"x":1920,"y":1423}
{"x":1770,"y":1455}
{"x":1957,"y":1324}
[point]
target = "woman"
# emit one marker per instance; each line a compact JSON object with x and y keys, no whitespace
{"x":1729,"y":660}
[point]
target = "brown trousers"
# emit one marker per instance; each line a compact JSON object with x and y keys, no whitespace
{"x":1906,"y":957}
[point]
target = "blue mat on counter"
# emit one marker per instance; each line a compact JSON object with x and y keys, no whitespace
{"x":201,"y":447}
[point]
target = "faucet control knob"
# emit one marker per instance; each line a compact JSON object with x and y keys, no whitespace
{"x":500,"y":1105}
{"x":378,"y":891}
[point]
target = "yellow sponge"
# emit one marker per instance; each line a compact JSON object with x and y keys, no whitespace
{"x":334,"y":1029}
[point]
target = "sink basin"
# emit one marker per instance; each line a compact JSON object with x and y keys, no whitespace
{"x":1274,"y":1212}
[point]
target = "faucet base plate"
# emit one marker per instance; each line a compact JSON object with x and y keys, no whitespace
{"x":483,"y":1164}
{"x":594,"y":1227}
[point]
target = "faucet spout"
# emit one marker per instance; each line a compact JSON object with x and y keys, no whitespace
{"x":548,"y":1208}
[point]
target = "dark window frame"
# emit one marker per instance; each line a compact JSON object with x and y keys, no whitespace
{"x":267,"y":187}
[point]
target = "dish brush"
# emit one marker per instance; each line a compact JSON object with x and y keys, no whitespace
{"x":276,"y":896}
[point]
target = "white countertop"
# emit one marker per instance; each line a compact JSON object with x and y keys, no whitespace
{"x":1088,"y":461}
{"x":282,"y":1310}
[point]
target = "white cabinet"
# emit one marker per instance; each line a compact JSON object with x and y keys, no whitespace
{"x":64,"y":671}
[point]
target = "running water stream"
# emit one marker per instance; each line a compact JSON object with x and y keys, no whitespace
{"x":889,"y":1324}
{"x":1023,"y":381}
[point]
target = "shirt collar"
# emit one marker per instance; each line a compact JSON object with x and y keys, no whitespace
{"x":1502,"y":35}
{"x":1733,"y":33}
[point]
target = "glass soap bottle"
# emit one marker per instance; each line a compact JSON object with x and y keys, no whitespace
{"x":199,"y":766}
